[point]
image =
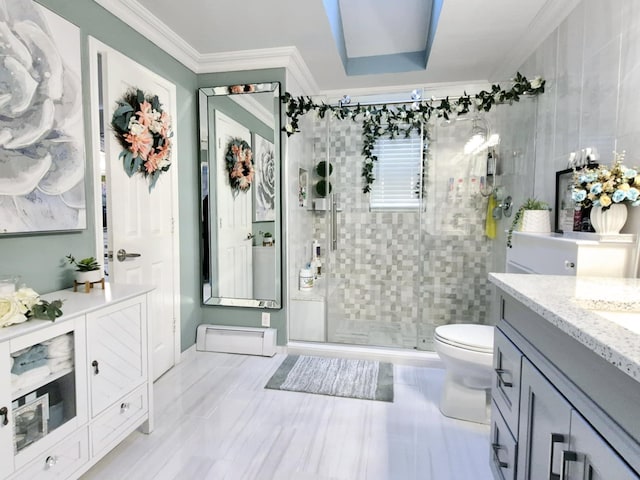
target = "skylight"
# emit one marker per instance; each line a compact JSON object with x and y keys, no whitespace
{"x":378,"y":36}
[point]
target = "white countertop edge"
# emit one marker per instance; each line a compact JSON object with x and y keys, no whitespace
{"x":75,"y":304}
{"x":614,"y":343}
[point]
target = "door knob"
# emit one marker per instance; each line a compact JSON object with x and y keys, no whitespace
{"x":122,"y":255}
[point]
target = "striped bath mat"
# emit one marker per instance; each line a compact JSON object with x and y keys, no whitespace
{"x":338,"y":377}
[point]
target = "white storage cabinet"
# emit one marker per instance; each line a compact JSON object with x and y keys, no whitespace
{"x":63,"y":410}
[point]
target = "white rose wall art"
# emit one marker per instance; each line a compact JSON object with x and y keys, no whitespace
{"x":41,"y":123}
{"x":264,"y":180}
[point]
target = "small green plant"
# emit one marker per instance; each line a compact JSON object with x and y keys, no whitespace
{"x":529,"y":204}
{"x":265,"y":234}
{"x":88,"y":264}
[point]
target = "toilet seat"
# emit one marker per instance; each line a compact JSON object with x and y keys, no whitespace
{"x":477,"y":338}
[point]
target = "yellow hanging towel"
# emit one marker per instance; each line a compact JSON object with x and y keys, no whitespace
{"x":490,"y":224}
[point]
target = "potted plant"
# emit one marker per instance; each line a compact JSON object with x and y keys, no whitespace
{"x":532,"y":216}
{"x":87,"y":270}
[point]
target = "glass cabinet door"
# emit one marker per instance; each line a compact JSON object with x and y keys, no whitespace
{"x":43,"y":388}
{"x":6,"y":422}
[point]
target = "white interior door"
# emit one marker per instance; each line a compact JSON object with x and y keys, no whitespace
{"x":234,"y":217}
{"x":139,"y":221}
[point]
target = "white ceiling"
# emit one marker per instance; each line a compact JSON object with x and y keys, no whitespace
{"x":476,"y":40}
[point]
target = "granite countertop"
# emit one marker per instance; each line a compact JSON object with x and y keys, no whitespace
{"x":601,"y":313}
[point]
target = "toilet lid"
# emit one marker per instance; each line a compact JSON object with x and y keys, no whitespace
{"x":478,"y":338}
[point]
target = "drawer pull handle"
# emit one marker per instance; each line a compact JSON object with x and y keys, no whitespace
{"x":94,"y":364}
{"x":501,"y":381}
{"x":496,"y":455}
{"x":555,"y":438}
{"x":124,"y":407}
{"x":4,"y":411}
{"x":568,"y":264}
{"x":51,"y":461}
{"x":567,"y":456}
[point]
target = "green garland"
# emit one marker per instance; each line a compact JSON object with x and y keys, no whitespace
{"x":401,"y":120}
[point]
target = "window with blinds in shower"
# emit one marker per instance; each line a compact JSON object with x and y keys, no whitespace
{"x":398,"y":174}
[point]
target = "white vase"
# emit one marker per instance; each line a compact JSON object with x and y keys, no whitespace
{"x":609,"y":221}
{"x":536,"y":221}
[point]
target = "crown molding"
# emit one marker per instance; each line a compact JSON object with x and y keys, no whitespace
{"x":151,"y":27}
{"x":550,"y":16}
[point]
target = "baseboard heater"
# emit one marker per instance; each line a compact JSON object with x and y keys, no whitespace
{"x":245,"y":340}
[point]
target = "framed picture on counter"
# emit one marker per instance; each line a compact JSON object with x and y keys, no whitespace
{"x":566,"y":219}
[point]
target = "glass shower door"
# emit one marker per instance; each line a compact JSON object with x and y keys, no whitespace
{"x":373,"y":267}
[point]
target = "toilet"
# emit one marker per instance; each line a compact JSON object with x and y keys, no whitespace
{"x":467,"y":353}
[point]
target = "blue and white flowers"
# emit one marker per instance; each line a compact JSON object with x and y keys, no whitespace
{"x":604,"y":186}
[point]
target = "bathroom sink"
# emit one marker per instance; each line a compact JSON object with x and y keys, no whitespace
{"x":628,"y":320}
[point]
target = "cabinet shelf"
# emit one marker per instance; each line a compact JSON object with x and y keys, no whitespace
{"x":44,"y":381}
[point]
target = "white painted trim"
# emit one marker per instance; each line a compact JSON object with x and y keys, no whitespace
{"x":254,"y":107}
{"x":148,"y":25}
{"x":151,"y":27}
{"x":549,"y":17}
{"x":399,"y":356}
{"x":96,"y":47}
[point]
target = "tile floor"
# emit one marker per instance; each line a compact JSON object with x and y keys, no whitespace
{"x":215,"y":420}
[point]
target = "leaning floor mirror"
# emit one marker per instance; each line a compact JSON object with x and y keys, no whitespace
{"x":240,"y":195}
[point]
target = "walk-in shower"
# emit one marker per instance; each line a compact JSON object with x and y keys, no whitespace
{"x":412,"y":254}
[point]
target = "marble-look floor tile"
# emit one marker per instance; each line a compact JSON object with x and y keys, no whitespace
{"x":215,"y":420}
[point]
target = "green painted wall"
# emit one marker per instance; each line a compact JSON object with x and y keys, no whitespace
{"x":248,"y":317}
{"x":39,"y":259}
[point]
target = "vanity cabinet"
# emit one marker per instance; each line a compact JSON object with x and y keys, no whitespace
{"x":559,"y":411}
{"x":74,"y":388}
{"x":575,"y":253}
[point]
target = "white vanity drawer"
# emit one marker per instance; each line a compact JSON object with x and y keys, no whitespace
{"x":118,"y":420}
{"x":542,"y":254}
{"x":60,"y":461}
{"x":505,"y":388}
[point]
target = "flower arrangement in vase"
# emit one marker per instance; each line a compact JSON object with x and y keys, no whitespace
{"x":608,"y":190}
{"x":17,"y":305}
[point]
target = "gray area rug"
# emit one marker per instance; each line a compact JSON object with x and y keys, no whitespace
{"x":338,"y":377}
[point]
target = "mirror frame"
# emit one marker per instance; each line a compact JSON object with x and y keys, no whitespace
{"x":208,"y":215}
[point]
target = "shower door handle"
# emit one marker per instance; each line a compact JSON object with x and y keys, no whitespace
{"x":334,"y":223}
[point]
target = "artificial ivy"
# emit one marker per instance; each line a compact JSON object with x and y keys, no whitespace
{"x":403,"y":119}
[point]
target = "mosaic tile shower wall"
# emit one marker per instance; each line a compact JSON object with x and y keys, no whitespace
{"x":395,"y":276}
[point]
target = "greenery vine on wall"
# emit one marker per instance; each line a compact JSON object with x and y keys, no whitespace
{"x":402,"y":119}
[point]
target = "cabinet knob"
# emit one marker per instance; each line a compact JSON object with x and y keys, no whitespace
{"x":124,"y":406}
{"x":94,"y":364}
{"x":51,"y":461}
{"x":568,"y":264}
{"x":4,"y":412}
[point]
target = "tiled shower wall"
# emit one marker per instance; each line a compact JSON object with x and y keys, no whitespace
{"x":395,"y":276}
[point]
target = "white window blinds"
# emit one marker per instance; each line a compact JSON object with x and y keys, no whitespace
{"x":398,"y":174}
